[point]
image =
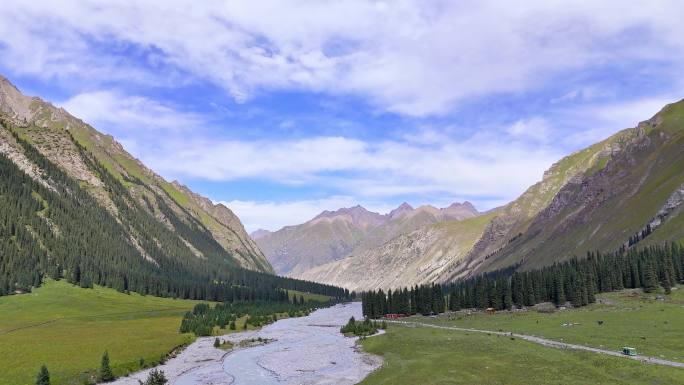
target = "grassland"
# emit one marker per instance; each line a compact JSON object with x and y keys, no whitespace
{"x":308,"y":296}
{"x":68,"y":329}
{"x":429,"y":356}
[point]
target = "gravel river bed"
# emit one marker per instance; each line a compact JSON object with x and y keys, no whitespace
{"x":301,"y":351}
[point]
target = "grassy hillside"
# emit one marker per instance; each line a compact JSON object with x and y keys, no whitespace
{"x":451,"y":357}
{"x":68,"y":328}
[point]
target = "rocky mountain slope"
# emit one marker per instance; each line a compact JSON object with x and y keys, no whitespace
{"x":68,"y":142}
{"x":637,"y":192}
{"x":595,"y":199}
{"x":333,"y":235}
{"x":420,"y":256}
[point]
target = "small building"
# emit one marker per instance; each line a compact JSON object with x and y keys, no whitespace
{"x":629,"y":351}
{"x":395,"y":315}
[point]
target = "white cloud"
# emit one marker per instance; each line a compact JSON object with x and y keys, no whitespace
{"x":275,"y":215}
{"x":108,"y":109}
{"x":411,"y":57}
{"x":480,"y":166}
{"x":604,"y":119}
{"x":536,"y":129}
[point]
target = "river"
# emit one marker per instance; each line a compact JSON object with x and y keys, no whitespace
{"x":302,"y":351}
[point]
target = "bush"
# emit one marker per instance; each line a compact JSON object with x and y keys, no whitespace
{"x":156,"y":377}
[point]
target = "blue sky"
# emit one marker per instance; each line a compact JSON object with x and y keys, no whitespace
{"x":282,"y":109}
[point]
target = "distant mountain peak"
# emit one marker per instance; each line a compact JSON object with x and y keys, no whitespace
{"x":259,"y":233}
{"x":402,"y":210}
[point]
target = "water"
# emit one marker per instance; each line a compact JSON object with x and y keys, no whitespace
{"x":304,"y":351}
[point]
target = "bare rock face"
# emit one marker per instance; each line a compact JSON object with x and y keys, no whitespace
{"x":62,"y":139}
{"x":333,"y":235}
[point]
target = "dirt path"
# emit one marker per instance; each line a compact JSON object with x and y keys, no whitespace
{"x":549,"y":343}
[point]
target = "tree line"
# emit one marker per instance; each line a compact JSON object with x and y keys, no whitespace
{"x":575,"y":281}
{"x":204,"y":318}
{"x":61,"y":231}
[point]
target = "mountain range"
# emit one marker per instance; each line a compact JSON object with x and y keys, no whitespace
{"x":624,"y":190}
{"x":333,"y":235}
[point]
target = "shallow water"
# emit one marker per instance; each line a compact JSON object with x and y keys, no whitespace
{"x":304,"y":351}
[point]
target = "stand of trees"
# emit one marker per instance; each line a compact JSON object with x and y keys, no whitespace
{"x":60,"y":231}
{"x":367,"y":327}
{"x":424,"y":299}
{"x":575,"y":281}
{"x":203,"y":318}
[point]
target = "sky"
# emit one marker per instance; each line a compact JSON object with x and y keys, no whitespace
{"x":283,"y":109}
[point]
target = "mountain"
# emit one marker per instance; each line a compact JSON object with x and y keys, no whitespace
{"x":420,"y":256}
{"x":165,"y":224}
{"x":598,"y":198}
{"x":332,"y":235}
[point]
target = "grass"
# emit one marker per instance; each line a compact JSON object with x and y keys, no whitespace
{"x":309,"y":296}
{"x":68,"y":328}
{"x":176,"y":195}
{"x":428,"y":356}
{"x":630,"y":318}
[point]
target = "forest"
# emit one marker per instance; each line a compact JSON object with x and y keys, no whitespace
{"x":57,"y":229}
{"x":575,"y":281}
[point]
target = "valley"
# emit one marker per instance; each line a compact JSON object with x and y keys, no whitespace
{"x":341,"y":193}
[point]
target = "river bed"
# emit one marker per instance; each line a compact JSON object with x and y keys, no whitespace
{"x":302,"y":351}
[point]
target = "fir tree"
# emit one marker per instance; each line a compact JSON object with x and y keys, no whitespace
{"x":43,"y":377}
{"x":650,"y":281}
{"x":105,"y":373}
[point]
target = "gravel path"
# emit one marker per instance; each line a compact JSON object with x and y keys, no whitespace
{"x":549,"y":343}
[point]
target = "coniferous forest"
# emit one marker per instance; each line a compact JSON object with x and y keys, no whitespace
{"x":58,"y":230}
{"x":575,"y":281}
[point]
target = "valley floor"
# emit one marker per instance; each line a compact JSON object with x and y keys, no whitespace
{"x":440,"y":356}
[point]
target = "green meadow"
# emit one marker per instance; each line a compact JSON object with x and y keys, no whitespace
{"x":415,"y":355}
{"x":628,"y":318}
{"x":68,"y":328}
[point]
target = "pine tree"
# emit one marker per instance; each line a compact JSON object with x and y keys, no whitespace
{"x":105,"y":374}
{"x":650,"y":280}
{"x":43,"y":377}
